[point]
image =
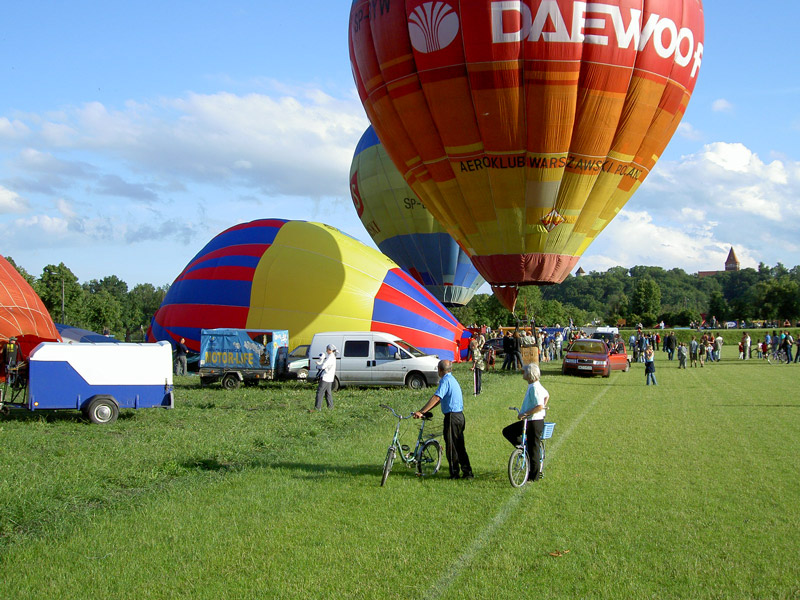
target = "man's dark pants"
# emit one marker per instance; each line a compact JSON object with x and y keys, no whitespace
{"x":454,"y":444}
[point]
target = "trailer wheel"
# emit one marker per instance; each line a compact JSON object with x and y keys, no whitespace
{"x":102,"y":410}
{"x":230,"y":382}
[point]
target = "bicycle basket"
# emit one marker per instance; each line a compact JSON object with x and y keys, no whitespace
{"x":548,"y":431}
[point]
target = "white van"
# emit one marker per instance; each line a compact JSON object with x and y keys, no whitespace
{"x":374,"y":358}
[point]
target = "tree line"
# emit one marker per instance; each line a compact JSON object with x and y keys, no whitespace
{"x":649,"y":295}
{"x":104,"y":305}
{"x":641,"y":294}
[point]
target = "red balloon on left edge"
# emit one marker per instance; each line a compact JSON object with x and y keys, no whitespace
{"x":22,"y":313}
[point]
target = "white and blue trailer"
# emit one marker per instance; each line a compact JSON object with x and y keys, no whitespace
{"x":98,"y":379}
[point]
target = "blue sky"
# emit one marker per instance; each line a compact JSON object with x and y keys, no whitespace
{"x":132,"y":133}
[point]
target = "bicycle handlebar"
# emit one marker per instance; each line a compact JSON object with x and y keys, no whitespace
{"x":425,"y":416}
{"x":395,"y":413}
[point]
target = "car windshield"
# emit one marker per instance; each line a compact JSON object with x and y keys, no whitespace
{"x":409,"y":348}
{"x":588,"y":346}
{"x":300,"y":352}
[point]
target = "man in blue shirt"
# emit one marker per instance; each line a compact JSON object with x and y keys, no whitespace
{"x":449,"y":395}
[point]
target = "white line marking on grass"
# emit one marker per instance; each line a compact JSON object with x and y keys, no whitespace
{"x":483,"y":538}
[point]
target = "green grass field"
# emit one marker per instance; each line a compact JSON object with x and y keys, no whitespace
{"x":685,"y":490}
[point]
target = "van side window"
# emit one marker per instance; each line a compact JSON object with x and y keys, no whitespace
{"x":356,"y":348}
{"x":384,"y":351}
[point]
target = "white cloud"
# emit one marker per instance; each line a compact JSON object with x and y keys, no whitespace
{"x":12,"y":130}
{"x":721,"y":105}
{"x":11,"y":202}
{"x":686,"y":130}
{"x":689,"y":213}
{"x":269,"y":143}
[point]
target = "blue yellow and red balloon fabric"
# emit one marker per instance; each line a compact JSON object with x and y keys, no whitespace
{"x":307,"y":278}
{"x":404,"y":230}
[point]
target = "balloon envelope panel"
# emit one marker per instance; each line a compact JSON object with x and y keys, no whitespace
{"x":304,"y":277}
{"x":404,"y":229}
{"x":22,"y":312}
{"x":525,"y":127}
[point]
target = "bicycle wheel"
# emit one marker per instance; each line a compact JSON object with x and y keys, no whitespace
{"x":518,"y":467}
{"x":387,"y":464}
{"x":430,"y":459}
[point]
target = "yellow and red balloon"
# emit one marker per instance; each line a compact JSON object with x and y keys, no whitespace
{"x":304,"y":277}
{"x":525,"y":126}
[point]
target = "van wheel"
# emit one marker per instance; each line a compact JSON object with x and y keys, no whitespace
{"x":416,"y":381}
{"x":230,"y":382}
{"x":335,"y":385}
{"x":102,"y":410}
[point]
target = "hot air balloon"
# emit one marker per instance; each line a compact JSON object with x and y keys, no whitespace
{"x":22,"y":313}
{"x":525,"y":126}
{"x":304,"y":277}
{"x":404,"y":230}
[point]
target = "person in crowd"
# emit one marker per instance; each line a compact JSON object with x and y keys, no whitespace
{"x":682,"y":354}
{"x":693,"y":346}
{"x":788,"y":342}
{"x":701,"y":352}
{"x":180,"y":357}
{"x":741,"y":350}
{"x":718,"y":343}
{"x":478,"y":366}
{"x":517,"y":349}
{"x":508,"y":350}
{"x":449,"y":395}
{"x":489,"y":357}
{"x":533,"y":408}
{"x":670,"y":345}
{"x":650,"y":367}
{"x":327,"y":373}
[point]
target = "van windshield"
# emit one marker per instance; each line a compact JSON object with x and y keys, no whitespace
{"x":410,"y":349}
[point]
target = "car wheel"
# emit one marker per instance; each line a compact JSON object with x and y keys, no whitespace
{"x":627,"y":367}
{"x":302,"y":374}
{"x":416,"y":381}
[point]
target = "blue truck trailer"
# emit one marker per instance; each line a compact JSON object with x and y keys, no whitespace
{"x":96,"y":379}
{"x":236,"y":356}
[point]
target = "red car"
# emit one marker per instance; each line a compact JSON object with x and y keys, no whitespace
{"x":593,"y":357}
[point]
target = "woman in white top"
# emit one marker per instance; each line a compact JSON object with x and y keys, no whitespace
{"x":533,"y":408}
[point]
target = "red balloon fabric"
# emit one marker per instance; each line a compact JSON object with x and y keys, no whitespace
{"x":524,"y":127}
{"x":22,"y":313}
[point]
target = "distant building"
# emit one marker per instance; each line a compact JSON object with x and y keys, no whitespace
{"x":731,"y":264}
{"x":580,"y":272}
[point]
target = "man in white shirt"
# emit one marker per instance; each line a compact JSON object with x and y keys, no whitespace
{"x":327,"y":368}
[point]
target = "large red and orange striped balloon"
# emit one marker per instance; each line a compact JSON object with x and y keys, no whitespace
{"x":525,"y":125}
{"x":23,"y":315}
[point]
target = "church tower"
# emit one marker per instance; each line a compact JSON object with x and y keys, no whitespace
{"x":732,"y":263}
